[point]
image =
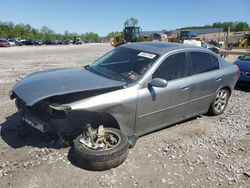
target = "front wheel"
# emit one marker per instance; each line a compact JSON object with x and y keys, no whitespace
{"x":220,"y":102}
{"x":103,"y":151}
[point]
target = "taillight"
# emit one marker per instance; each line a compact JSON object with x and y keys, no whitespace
{"x":238,"y":72}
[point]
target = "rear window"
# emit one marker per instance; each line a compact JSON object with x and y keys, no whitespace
{"x":202,"y":62}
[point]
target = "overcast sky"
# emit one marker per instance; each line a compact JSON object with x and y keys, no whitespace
{"x":102,"y":17}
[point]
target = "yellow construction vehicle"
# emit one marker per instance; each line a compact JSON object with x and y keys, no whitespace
{"x":244,"y":42}
{"x":129,"y":34}
{"x":173,"y":38}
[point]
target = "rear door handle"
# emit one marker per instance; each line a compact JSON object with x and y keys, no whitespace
{"x":185,"y":88}
{"x":218,"y":79}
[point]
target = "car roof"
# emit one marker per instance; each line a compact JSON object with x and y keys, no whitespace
{"x":159,"y":47}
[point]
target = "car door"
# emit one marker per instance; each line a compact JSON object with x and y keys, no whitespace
{"x":205,"y":80}
{"x":158,"y":107}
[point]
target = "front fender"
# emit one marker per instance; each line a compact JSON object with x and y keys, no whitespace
{"x":121,"y":104}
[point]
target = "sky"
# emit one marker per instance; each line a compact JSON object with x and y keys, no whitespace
{"x":104,"y":16}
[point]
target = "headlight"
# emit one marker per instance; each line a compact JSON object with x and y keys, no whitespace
{"x":60,"y":111}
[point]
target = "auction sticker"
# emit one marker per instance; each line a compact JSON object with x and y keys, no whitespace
{"x":147,"y":55}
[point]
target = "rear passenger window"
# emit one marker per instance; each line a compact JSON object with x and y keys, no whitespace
{"x":173,"y":67}
{"x":202,"y":62}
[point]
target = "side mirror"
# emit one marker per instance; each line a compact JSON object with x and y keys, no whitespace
{"x":239,"y":57}
{"x":158,"y":82}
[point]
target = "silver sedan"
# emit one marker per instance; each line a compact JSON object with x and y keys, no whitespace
{"x":133,"y":90}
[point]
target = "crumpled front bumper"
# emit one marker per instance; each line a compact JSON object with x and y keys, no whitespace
{"x":36,"y":123}
{"x":72,"y":124}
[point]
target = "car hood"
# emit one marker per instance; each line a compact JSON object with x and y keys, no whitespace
{"x":243,"y":65}
{"x":41,"y":85}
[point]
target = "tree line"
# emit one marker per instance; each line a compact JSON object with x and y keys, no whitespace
{"x":234,"y":26}
{"x":25,"y":31}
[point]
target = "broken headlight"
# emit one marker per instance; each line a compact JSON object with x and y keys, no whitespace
{"x":60,"y":111}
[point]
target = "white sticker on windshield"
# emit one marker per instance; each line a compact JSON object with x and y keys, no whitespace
{"x":147,"y":55}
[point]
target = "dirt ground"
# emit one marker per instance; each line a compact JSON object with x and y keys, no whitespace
{"x":201,"y":152}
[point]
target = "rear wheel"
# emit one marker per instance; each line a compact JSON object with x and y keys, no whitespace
{"x":220,"y":102}
{"x":102,"y":151}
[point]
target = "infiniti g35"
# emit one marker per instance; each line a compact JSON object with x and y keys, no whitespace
{"x":131,"y":91}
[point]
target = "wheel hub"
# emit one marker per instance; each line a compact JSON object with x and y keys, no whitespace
{"x":99,"y":139}
{"x":221,"y":100}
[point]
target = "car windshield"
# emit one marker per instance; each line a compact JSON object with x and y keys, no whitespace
{"x":123,"y":64}
{"x":245,"y":57}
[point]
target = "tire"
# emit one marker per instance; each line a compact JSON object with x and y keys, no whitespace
{"x":219,"y":104}
{"x":97,"y":160}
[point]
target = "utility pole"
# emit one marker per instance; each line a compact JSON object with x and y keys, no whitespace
{"x":228,"y":31}
{"x":218,"y":37}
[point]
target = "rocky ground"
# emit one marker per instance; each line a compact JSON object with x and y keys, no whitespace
{"x":201,"y":152}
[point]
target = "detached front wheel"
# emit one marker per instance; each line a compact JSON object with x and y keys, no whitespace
{"x":101,"y":149}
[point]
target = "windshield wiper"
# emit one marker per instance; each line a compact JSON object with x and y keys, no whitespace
{"x":115,"y":74}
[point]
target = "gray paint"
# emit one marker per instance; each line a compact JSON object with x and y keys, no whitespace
{"x":45,"y":84}
{"x":158,"y":47}
{"x":140,"y":109}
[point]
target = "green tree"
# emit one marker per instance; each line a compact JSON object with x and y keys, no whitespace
{"x":131,"y":22}
{"x":91,"y":37}
{"x":111,"y":35}
{"x":226,"y":25}
{"x":242,"y":26}
{"x":234,"y":26}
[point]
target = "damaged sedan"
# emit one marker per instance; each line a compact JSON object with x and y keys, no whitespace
{"x":130,"y":91}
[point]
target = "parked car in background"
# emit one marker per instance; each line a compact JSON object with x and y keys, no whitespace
{"x":56,"y":42}
{"x":22,"y":41}
{"x":77,"y":41}
{"x":12,"y":42}
{"x":67,"y":42}
{"x":29,"y":42}
{"x":210,"y":47}
{"x":202,"y":44}
{"x":4,"y":43}
{"x":243,"y":63}
{"x":17,"y":41}
{"x":133,"y":90}
{"x":60,"y":42}
{"x":52,"y":42}
{"x":47,"y":42}
{"x":38,"y":42}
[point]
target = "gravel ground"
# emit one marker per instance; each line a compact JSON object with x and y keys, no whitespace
{"x":201,"y":152}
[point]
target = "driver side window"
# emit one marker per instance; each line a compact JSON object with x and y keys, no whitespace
{"x":173,"y":67}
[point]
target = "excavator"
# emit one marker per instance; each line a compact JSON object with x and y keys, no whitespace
{"x":129,"y":34}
